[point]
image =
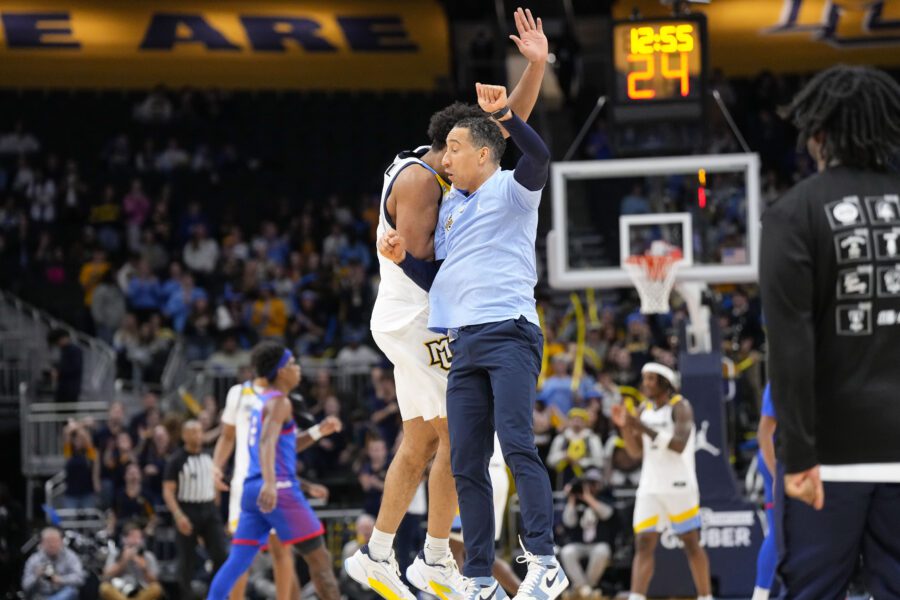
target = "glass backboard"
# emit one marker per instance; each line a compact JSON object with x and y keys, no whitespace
{"x":707,"y":205}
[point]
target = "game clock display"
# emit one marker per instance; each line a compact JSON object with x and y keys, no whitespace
{"x":660,"y":62}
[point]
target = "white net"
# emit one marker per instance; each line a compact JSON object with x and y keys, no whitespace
{"x":653,"y":275}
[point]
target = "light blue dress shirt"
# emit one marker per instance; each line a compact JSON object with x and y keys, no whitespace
{"x":486,"y":240}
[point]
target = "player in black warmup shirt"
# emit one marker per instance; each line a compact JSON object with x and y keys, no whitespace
{"x":830,"y":282}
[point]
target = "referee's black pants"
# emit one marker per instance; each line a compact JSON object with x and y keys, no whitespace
{"x":207,"y":525}
{"x":819,"y":550}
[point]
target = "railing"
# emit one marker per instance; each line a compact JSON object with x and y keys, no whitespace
{"x":176,"y":373}
{"x":30,"y":326}
{"x":13,"y":374}
{"x":54,"y":488}
{"x":340,"y":525}
{"x":83,"y":520}
{"x":41,"y":427}
{"x":198,"y":380}
{"x":350,"y":383}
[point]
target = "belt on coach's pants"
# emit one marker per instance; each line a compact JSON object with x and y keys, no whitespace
{"x":453,"y":332}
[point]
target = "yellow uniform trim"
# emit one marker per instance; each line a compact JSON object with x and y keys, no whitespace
{"x":676,"y":399}
{"x":646,"y":524}
{"x":445,"y":187}
{"x":441,"y":591}
{"x":383,"y":590}
{"x":688,"y":514}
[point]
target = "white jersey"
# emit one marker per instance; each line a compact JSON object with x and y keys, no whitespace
{"x":240,"y":402}
{"x":399,"y":299}
{"x":663,"y":470}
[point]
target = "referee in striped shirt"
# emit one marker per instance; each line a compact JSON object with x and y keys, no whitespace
{"x":190,"y":494}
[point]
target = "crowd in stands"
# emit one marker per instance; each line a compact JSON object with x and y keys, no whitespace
{"x":170,"y":225}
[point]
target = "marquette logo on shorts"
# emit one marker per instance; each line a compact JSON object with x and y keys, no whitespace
{"x":439,"y":352}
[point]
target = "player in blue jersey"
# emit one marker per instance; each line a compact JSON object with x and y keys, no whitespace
{"x":272,"y":498}
{"x":768,"y":552}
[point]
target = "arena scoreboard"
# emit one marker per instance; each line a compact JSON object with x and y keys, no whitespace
{"x":659,"y":68}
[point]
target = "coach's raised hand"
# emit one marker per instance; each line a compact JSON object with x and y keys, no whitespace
{"x":392,"y":246}
{"x":492,"y":98}
{"x":531,"y":41}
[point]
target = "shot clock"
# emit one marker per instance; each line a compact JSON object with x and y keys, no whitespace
{"x":659,"y":68}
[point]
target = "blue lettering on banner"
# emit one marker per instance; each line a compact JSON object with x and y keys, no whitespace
{"x":162,"y":33}
{"x":383,"y":33}
{"x":27,"y":31}
{"x":268,"y":34}
{"x":827,"y":29}
{"x":377,"y":34}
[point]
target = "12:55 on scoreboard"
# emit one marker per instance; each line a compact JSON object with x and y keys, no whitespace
{"x":659,"y":60}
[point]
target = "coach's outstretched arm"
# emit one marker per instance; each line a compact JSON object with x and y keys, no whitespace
{"x":534,"y":166}
{"x":532,"y":44}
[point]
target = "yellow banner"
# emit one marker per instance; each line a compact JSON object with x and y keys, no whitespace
{"x":748,"y":36}
{"x":297,"y":44}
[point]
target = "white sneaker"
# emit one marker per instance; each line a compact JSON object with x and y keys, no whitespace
{"x":442,"y":579}
{"x":381,"y":576}
{"x":484,"y":588}
{"x":545,"y":580}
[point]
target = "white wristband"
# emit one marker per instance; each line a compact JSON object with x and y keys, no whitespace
{"x":662,"y":439}
{"x":315,"y":432}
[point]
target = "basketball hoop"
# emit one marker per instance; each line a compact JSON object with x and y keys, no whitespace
{"x":653,"y":274}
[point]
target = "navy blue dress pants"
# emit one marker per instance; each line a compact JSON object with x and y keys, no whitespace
{"x":492,"y":386}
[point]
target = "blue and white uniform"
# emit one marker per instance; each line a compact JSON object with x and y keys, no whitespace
{"x":293,"y":520}
{"x":668,"y":491}
{"x":399,"y":322}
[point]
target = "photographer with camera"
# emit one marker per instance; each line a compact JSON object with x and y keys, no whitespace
{"x":576,"y":448}
{"x":131,"y":572}
{"x":53,"y":572}
{"x":590,"y":529}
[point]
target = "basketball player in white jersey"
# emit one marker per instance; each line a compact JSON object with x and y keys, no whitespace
{"x":413,"y":187}
{"x":239,"y":403}
{"x":664,"y":434}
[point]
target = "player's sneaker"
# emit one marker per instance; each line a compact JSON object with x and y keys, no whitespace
{"x":381,"y":576}
{"x":545,"y":579}
{"x":442,"y":579}
{"x":484,"y":588}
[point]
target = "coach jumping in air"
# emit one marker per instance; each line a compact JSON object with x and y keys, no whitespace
{"x":830,"y":283}
{"x":482,"y":291}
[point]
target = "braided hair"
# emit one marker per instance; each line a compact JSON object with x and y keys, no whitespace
{"x":858,"y":111}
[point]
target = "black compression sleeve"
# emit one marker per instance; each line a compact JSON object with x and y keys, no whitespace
{"x":422,"y":272}
{"x":534,"y":166}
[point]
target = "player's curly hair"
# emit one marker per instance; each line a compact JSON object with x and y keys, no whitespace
{"x":446,"y":119}
{"x":858,"y":110}
{"x":265,"y":357}
{"x":485,"y":132}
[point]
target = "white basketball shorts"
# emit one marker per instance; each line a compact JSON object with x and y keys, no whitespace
{"x":680,"y":509}
{"x":421,"y":360}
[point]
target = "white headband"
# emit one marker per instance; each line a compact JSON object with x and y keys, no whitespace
{"x":663,"y":371}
